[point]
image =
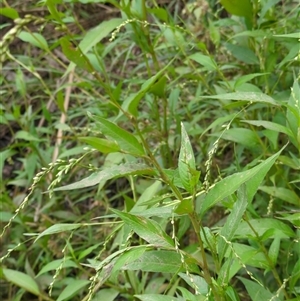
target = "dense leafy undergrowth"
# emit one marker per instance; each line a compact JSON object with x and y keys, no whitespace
{"x":153,"y":155}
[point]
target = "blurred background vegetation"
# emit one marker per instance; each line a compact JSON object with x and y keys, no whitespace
{"x":64,"y":58}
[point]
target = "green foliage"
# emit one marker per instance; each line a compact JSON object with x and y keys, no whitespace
{"x":154,"y":156}
{"x":186,"y":163}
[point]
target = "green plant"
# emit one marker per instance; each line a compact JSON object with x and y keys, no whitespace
{"x":193,"y":158}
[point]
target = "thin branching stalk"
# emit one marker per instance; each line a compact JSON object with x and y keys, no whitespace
{"x":206,"y":274}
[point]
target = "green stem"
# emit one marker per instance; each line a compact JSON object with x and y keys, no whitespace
{"x":169,"y":158}
{"x":206,"y":274}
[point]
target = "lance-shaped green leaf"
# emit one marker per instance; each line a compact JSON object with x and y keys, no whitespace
{"x":253,"y":184}
{"x":22,"y":280}
{"x":187,"y":295}
{"x":58,"y":228}
{"x":53,"y":265}
{"x":257,"y":292}
{"x":242,"y":136}
{"x":294,"y":35}
{"x":245,"y":78}
{"x":158,"y":88}
{"x":241,"y":8}
{"x":232,"y":221}
{"x":127,"y":141}
{"x":75,"y":55}
{"x":186,"y":163}
{"x":157,"y":261}
{"x":94,"y":36}
{"x":293,"y":114}
{"x":72,"y":288}
{"x":161,"y":261}
{"x":186,"y":206}
{"x":278,"y":228}
{"x":148,"y":194}
{"x":270,"y":126}
{"x":204,"y":60}
{"x":147,"y":229}
{"x":282,"y":193}
{"x":195,"y":280}
{"x":126,"y":258}
{"x":102,"y":145}
{"x":34,"y":38}
{"x":230,"y":184}
{"x":274,"y":250}
{"x":113,"y":172}
{"x":9,"y":12}
{"x":246,"y":96}
{"x":51,"y":5}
